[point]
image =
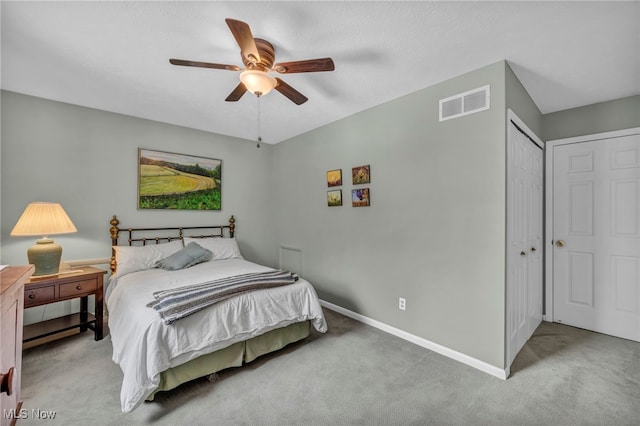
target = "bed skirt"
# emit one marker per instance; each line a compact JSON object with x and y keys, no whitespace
{"x":232,"y":356}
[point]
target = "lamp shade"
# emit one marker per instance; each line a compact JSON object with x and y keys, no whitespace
{"x":43,"y":219}
{"x":257,"y":82}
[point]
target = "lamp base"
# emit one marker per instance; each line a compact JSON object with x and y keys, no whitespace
{"x":45,"y":255}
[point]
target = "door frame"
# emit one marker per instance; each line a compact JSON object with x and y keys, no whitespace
{"x":548,"y":252}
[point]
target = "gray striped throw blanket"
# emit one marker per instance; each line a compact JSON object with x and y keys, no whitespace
{"x":182,"y":302}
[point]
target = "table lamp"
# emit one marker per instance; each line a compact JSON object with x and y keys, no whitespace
{"x":44,"y":219}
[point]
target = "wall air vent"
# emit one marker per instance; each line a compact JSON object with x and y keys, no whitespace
{"x":466,"y":103}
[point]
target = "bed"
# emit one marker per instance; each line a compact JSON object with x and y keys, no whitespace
{"x":156,"y":352}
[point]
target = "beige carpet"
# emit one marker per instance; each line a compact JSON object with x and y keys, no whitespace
{"x":354,"y":374}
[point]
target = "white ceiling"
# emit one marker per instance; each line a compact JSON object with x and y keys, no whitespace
{"x":114,"y":56}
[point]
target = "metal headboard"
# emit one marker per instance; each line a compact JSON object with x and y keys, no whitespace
{"x":144,"y":236}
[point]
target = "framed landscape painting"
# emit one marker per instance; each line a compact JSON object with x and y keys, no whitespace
{"x":168,"y":180}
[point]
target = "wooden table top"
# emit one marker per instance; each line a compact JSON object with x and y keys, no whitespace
{"x":11,"y":274}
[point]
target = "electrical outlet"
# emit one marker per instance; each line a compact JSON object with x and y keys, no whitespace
{"x":402,"y":304}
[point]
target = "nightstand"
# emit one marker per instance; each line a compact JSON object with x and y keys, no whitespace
{"x":71,"y":284}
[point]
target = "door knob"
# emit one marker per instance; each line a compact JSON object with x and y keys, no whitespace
{"x":522,"y":253}
{"x":533,"y":249}
{"x":560,"y":243}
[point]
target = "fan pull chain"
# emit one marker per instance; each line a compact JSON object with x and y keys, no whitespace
{"x":259,"y":127}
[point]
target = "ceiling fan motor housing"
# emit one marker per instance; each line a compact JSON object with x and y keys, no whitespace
{"x":267,"y":56}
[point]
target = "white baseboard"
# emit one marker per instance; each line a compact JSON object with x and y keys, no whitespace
{"x":442,"y":350}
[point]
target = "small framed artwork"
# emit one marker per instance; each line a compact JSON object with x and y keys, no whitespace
{"x":334,"y":177}
{"x":360,"y":197}
{"x":361,"y":174}
{"x":334,"y":198}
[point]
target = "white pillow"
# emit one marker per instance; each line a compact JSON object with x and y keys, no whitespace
{"x":139,"y":258}
{"x":222,"y":248}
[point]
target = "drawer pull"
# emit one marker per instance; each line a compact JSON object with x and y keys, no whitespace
{"x":6,"y":382}
{"x":78,"y":287}
{"x":32,"y":296}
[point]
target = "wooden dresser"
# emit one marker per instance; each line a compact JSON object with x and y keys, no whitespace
{"x":12,"y":281}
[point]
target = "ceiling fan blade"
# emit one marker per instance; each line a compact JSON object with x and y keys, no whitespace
{"x":187,"y":63}
{"x":237,"y":93}
{"x":291,"y":93}
{"x":242,"y":33}
{"x":309,"y":65}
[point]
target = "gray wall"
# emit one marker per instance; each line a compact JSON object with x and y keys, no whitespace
{"x":597,"y":118}
{"x":86,"y":159}
{"x":435,"y":231}
{"x":519,"y":101}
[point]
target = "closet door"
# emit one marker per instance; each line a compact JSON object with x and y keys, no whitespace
{"x":524,"y":239}
{"x":596,"y":231}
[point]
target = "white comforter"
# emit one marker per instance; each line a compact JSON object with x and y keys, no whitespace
{"x":143,"y":346}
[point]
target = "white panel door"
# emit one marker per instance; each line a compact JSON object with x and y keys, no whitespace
{"x":596,"y":231}
{"x":524,"y":239}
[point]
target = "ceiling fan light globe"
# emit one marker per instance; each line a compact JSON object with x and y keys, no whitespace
{"x":257,"y":81}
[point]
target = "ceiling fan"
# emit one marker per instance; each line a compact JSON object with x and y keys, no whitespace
{"x":258,"y":57}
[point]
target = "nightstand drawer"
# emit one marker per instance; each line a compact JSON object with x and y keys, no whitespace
{"x":77,"y":288}
{"x":39,"y":295}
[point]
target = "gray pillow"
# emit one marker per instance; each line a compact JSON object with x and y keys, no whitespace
{"x":191,"y":255}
